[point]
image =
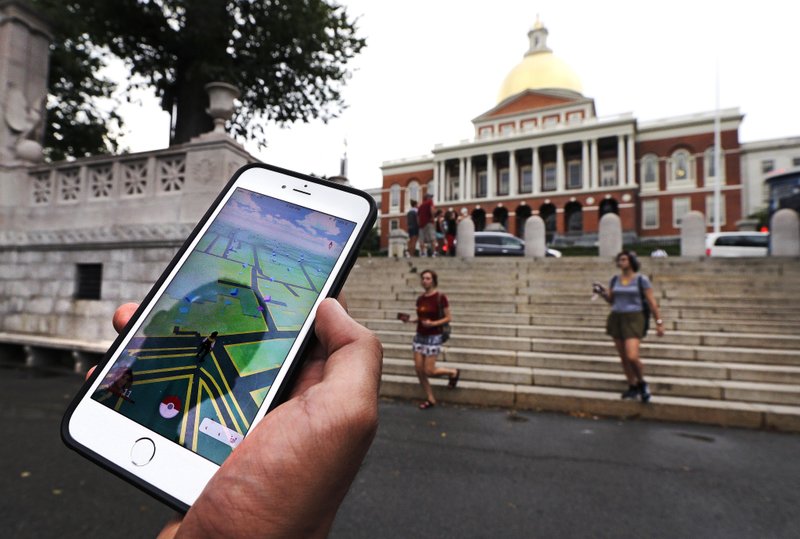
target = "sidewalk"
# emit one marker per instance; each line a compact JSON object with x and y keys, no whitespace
{"x":447,"y":472}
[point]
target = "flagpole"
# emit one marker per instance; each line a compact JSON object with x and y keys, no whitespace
{"x":717,"y":158}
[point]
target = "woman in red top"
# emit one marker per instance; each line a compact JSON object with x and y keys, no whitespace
{"x":433,"y":312}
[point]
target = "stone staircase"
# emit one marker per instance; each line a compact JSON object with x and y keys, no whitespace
{"x":527,"y":336}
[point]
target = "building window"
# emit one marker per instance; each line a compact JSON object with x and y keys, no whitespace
{"x":528,"y":125}
{"x":484,"y":132}
{"x":767,"y":166}
{"x":503,"y":182}
{"x":708,"y":165}
{"x":394,"y":198}
{"x":88,"y":280}
{"x":710,"y":210}
{"x":480,"y":188}
{"x":394,"y":224}
{"x":608,"y":173}
{"x":650,"y":214}
{"x":506,"y":129}
{"x":574,"y":175}
{"x":681,"y":166}
{"x":575,"y":117}
{"x":526,"y":180}
{"x":680,"y":207}
{"x":796,"y":162}
{"x":413,"y":192}
{"x":549,"y":177}
{"x":550,"y":121}
{"x":650,"y":172}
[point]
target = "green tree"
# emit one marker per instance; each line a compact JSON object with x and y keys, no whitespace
{"x":288,"y":57}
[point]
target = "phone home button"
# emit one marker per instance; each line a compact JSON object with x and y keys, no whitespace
{"x":142,"y":451}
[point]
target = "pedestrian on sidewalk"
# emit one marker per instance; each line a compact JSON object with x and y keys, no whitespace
{"x":433,"y":312}
{"x":413,"y":228}
{"x":630,"y":295}
{"x":427,"y":229}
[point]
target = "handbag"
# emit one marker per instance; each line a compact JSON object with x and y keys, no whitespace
{"x":445,"y":327}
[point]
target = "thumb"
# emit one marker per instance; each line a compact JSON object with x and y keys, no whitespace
{"x":353,"y":353}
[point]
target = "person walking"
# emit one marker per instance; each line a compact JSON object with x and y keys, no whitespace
{"x":433,"y":312}
{"x":427,"y":229}
{"x":439,"y":227}
{"x":412,"y":223}
{"x":450,"y":230}
{"x":206,"y":346}
{"x":630,"y":295}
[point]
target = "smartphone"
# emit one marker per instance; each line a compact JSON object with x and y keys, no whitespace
{"x":216,"y":342}
{"x":403,"y":317}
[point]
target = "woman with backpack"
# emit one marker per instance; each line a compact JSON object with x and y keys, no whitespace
{"x":631,"y":298}
{"x":433,"y":315}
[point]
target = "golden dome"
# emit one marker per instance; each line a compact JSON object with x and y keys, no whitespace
{"x":540,"y":69}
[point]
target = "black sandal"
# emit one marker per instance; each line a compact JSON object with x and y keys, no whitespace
{"x":454,"y":379}
{"x":425,"y":405}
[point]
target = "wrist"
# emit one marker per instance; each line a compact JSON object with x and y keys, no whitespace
{"x":659,"y":322}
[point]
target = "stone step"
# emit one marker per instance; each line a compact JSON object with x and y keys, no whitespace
{"x":601,"y":381}
{"x":594,"y":333}
{"x":484,"y":348}
{"x":604,"y":403}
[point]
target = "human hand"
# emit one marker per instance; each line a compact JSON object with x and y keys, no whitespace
{"x":427,"y":323}
{"x":660,"y":330}
{"x":291,"y":472}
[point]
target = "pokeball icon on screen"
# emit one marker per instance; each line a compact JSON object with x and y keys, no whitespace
{"x":170,"y":407}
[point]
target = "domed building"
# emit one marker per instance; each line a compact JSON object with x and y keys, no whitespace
{"x":542,"y":150}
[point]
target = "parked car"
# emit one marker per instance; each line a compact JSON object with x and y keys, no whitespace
{"x":737,"y":244}
{"x":503,"y":244}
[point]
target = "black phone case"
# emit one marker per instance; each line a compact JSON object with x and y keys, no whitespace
{"x":291,"y":375}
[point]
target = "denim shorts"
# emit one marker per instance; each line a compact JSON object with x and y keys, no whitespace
{"x":427,"y":345}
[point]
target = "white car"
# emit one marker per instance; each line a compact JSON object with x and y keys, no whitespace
{"x":737,"y":244}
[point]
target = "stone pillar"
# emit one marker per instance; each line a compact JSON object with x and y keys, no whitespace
{"x":398,"y":242}
{"x":490,"y":177}
{"x":462,"y":180}
{"x":83,"y":361}
{"x":621,"y":160}
{"x":785,"y":233}
{"x":38,"y":357}
{"x":513,"y":176}
{"x":536,"y":172}
{"x":610,"y":235}
{"x":560,"y":176}
{"x":595,"y":164}
{"x":535,"y":246}
{"x":466,"y":239}
{"x":631,"y":161}
{"x":469,"y":182}
{"x":436,"y":182}
{"x":693,"y":234}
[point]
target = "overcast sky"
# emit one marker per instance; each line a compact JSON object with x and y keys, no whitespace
{"x":431,"y":66}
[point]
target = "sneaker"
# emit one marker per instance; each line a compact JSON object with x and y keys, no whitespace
{"x":644,"y":391}
{"x":631,"y":393}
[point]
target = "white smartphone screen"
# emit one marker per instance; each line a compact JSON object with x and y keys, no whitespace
{"x":201,"y":363}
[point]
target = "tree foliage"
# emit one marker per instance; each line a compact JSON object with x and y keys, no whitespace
{"x":288,"y":57}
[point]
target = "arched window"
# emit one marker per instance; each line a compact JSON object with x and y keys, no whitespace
{"x":394,"y":198}
{"x":412,"y":193}
{"x":681,"y":167}
{"x":649,"y":171}
{"x":708,"y":167}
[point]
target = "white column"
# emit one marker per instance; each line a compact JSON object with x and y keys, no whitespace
{"x":462,"y":182}
{"x":536,"y":172}
{"x":560,"y":176}
{"x":595,"y":165}
{"x":469,"y":192}
{"x":584,"y":164}
{"x":440,"y":184}
{"x":631,"y":161}
{"x":621,"y":160}
{"x":513,"y":187}
{"x":435,"y":192}
{"x":490,"y":180}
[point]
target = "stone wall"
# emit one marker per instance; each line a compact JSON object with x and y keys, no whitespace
{"x":37,"y":289}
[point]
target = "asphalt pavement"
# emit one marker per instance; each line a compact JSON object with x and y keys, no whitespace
{"x":446,"y":472}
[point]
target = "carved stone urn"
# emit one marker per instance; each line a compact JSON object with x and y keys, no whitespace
{"x":220,"y":98}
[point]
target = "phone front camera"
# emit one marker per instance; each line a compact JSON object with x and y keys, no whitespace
{"x":283,"y":186}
